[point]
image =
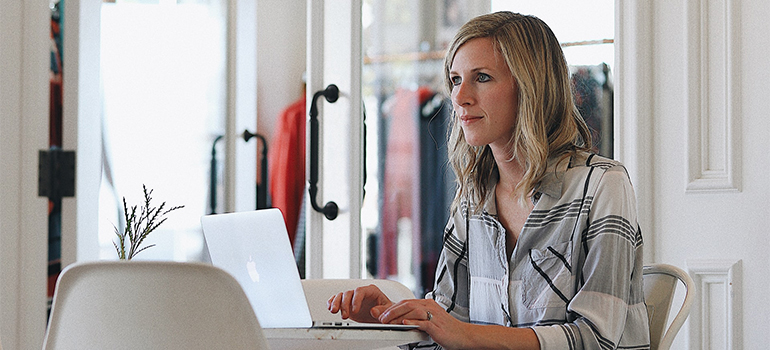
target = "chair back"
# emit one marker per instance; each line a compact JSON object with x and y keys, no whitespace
{"x":150,"y":305}
{"x":318,"y":291}
{"x":660,"y":283}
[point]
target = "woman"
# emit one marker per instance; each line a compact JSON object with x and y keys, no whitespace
{"x":543,"y":250}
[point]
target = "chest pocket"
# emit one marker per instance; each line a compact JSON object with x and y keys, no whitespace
{"x":547,"y":277}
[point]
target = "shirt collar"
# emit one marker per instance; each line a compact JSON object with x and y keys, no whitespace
{"x":551,"y":184}
{"x":553,"y":180}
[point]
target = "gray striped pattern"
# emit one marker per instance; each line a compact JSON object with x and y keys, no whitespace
{"x":575,"y":273}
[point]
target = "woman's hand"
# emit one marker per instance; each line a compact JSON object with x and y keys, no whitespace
{"x":431,"y":318}
{"x":357,"y":304}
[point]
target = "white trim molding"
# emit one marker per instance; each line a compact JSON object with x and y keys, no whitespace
{"x":81,"y":129}
{"x":633,"y":110}
{"x":715,"y":319}
{"x":314,"y":240}
{"x":24,"y":95}
{"x":713,"y":96}
{"x":241,"y":96}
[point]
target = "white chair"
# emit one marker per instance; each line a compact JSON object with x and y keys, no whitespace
{"x":660,"y":282}
{"x":150,"y":305}
{"x":318,"y":291}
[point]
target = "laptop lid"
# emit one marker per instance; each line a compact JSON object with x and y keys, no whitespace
{"x":254,"y":247}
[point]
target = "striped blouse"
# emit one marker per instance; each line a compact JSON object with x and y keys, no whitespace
{"x":575,"y":275}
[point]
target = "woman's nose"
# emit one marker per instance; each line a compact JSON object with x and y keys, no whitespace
{"x":461,"y":94}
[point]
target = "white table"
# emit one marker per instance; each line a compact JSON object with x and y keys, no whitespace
{"x":334,"y":338}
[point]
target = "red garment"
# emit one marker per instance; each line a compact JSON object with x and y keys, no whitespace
{"x":286,"y":158}
{"x":401,"y":176}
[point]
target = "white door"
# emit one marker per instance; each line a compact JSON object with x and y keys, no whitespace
{"x":334,"y":57}
{"x":694,"y":106}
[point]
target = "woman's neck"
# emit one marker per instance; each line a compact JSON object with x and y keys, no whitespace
{"x":511,"y":169}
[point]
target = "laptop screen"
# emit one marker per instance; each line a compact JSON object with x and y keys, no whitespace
{"x":254,"y":247}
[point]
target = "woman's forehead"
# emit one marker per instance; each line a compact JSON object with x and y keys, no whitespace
{"x":478,"y":53}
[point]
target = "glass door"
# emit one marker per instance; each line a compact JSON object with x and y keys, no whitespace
{"x":373,"y":50}
{"x":409,"y":184}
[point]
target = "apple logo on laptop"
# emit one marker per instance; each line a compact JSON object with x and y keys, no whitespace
{"x":251,"y":266}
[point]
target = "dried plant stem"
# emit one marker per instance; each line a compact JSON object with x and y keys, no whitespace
{"x":139,"y":227}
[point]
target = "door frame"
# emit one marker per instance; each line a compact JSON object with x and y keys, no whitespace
{"x":241,"y":156}
{"x":633,"y":119}
{"x":24,"y":91}
{"x":334,"y":57}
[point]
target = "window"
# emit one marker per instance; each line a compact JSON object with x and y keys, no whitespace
{"x":163,"y":74}
{"x":586,"y":30}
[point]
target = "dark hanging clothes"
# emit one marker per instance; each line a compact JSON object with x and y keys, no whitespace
{"x":437,"y":183}
{"x":593,"y":98}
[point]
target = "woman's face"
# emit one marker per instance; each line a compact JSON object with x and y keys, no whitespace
{"x":484,"y":94}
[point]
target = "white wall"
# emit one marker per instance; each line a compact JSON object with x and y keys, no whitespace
{"x":280,"y":59}
{"x":24,"y":64}
{"x":699,"y":76}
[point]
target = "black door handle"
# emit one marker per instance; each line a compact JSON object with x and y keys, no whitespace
{"x":331,"y":93}
{"x":262,"y":188}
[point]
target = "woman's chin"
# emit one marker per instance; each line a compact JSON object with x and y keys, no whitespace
{"x":474,"y":142}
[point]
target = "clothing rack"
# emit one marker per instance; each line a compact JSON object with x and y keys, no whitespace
{"x":588,"y":42}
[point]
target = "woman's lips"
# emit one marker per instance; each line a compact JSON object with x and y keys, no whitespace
{"x":468,"y":119}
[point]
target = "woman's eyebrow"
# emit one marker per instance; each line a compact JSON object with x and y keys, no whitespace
{"x":474,"y":70}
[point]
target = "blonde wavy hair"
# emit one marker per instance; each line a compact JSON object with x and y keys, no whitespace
{"x":548,"y":122}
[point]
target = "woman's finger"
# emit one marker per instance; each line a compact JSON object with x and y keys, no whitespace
{"x":359,"y":296}
{"x":333,"y":304}
{"x":345,"y":304}
{"x":408,"y":309}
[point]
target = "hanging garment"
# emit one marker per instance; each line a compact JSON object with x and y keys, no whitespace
{"x":286,"y":171}
{"x":437,"y":184}
{"x":401,"y":178}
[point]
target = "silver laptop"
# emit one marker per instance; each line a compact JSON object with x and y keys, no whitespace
{"x":254,"y":247}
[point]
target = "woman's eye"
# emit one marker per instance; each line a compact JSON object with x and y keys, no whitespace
{"x":455,"y":80}
{"x":483,"y":78}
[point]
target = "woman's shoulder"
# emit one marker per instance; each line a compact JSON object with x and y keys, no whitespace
{"x":606,"y":169}
{"x":583,"y":162}
{"x":588,"y":159}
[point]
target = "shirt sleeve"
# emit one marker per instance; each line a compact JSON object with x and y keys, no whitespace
{"x":609,"y":304}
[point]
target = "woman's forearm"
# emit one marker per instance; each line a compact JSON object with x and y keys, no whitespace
{"x":498,"y":337}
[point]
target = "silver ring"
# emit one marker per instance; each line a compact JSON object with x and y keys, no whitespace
{"x":430,"y":316}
